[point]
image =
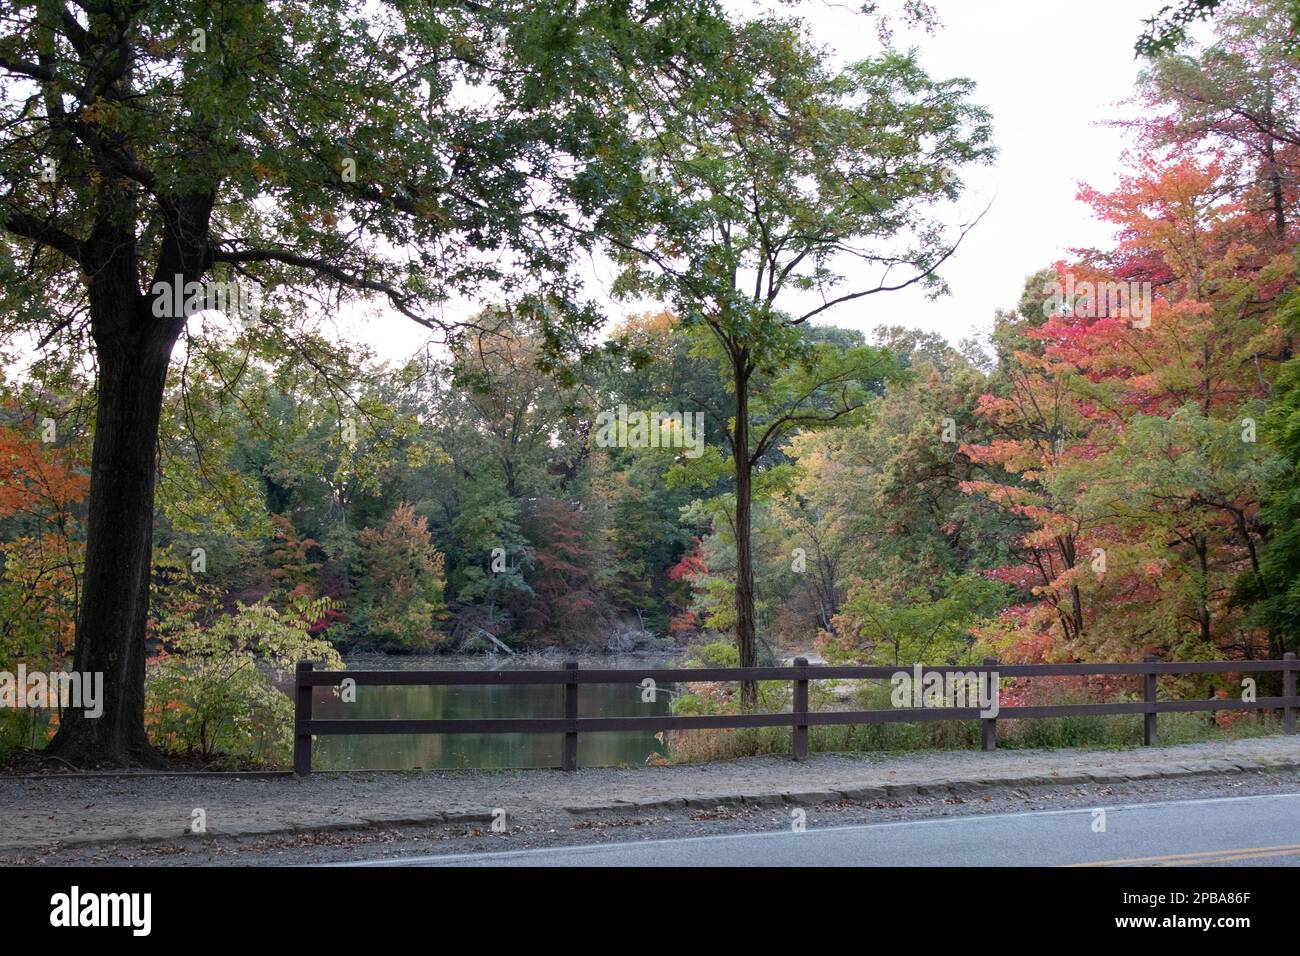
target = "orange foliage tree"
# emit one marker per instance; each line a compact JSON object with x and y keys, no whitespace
{"x":1128,"y":433}
{"x":41,"y":553}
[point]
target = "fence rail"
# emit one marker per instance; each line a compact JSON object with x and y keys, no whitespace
{"x":799,"y":718}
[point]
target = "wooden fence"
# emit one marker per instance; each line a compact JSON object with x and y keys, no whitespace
{"x":799,"y":718}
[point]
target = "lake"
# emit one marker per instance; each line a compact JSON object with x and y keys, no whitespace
{"x":492,"y":751}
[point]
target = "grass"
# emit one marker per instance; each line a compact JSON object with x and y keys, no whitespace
{"x":1114,"y":732}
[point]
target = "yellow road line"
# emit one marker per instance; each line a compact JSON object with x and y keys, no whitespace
{"x":1232,"y":855}
{"x":1205,"y":856}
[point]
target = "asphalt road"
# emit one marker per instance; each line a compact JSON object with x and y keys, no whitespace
{"x":1227,"y":831}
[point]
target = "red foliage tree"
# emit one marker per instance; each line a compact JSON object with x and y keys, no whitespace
{"x":562,"y":576}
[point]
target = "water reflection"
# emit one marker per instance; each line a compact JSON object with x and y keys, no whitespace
{"x":489,"y":751}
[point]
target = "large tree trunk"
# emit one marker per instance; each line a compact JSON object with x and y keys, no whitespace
{"x":132,"y":351}
{"x":746,"y":642}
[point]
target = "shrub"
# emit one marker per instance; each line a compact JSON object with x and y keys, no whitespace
{"x":212,"y":692}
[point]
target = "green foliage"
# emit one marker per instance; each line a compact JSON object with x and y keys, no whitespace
{"x":400,"y":595}
{"x":714,"y":654}
{"x":1164,"y":32}
{"x":1275,"y":589}
{"x":920,"y":625}
{"x":212,"y":691}
{"x":484,"y":526}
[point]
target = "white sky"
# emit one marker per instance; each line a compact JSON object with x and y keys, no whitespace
{"x":1049,"y":71}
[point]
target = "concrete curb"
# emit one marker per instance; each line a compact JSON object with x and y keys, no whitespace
{"x":960,"y":786}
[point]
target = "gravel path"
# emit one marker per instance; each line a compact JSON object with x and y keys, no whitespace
{"x":67,"y":811}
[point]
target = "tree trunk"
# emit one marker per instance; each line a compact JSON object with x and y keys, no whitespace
{"x":1203,"y":591}
{"x":1274,"y":171}
{"x":746,"y":642}
{"x":132,"y":351}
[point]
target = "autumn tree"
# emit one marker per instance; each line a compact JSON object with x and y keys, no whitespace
{"x":400,"y":597}
{"x":1129,"y":435}
{"x":41,"y":557}
{"x":561,"y":578}
{"x":758,"y":201}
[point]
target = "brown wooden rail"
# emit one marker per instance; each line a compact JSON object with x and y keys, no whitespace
{"x":799,"y":718}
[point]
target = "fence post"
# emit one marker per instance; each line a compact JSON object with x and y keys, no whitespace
{"x":1288,"y":690}
{"x":301,"y":715}
{"x":1149,"y":695}
{"x":989,"y":725}
{"x":571,"y":713}
{"x":800,"y":708}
